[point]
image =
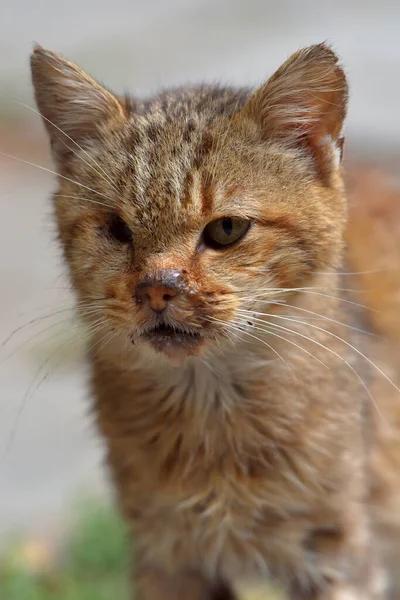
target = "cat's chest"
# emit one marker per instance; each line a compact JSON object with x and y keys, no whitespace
{"x":220,"y":452}
{"x":239,"y":509}
{"x":217,"y":438}
{"x":233,"y":526}
{"x":223,"y":468}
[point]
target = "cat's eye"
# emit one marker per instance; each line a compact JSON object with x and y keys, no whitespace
{"x":225,"y":232}
{"x":119,"y":230}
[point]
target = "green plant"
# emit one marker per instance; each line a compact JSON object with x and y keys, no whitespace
{"x":93,"y":567}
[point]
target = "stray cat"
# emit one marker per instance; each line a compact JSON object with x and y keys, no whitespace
{"x":203,"y":230}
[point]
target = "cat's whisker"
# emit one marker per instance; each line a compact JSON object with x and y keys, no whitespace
{"x":91,"y":329}
{"x":243,"y":330}
{"x":286,"y":340}
{"x":108,"y":341}
{"x":370,"y":362}
{"x":35,"y":336}
{"x":89,"y":200}
{"x":364,"y":385}
{"x":87,"y":310}
{"x":79,"y":308}
{"x":31,"y":390}
{"x":250,"y":312}
{"x":97,"y":327}
{"x":267,"y":329}
{"x":89,"y":302}
{"x":309,"y":291}
{"x":58,"y":175}
{"x":32,"y":311}
{"x":74,"y":309}
{"x":370,"y":271}
{"x":71,"y":319}
{"x":229,"y":333}
{"x":317,"y":316}
{"x":263,"y":292}
{"x":89,"y":165}
{"x":105,"y":175}
{"x":296,"y":289}
{"x":107,"y":336}
{"x":32,"y":322}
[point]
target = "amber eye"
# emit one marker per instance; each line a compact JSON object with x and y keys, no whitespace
{"x":119,"y":230}
{"x":225,"y":232}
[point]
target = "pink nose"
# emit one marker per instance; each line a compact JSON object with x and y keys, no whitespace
{"x":156,"y":296}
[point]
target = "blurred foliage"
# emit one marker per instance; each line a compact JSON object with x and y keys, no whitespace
{"x":93,"y":565}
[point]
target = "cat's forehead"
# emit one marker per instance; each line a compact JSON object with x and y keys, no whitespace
{"x":182,"y":124}
{"x":172,"y":144}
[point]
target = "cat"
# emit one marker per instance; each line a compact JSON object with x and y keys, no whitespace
{"x":203,"y":230}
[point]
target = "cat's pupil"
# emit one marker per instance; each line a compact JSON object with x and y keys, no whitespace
{"x":227,"y":226}
{"x":119,"y":230}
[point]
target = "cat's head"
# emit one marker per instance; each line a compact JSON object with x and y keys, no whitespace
{"x":179,"y":214}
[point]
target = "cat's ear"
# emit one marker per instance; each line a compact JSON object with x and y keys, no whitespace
{"x":305,"y":102}
{"x":70,"y":101}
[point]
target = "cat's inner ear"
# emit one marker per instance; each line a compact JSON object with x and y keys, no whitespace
{"x":304,"y":102}
{"x":71,"y":101}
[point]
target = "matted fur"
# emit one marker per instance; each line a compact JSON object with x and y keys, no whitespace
{"x":245,"y":454}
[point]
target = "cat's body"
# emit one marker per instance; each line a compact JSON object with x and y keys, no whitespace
{"x":238,"y":420}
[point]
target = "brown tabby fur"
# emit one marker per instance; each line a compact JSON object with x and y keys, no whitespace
{"x":248,"y":454}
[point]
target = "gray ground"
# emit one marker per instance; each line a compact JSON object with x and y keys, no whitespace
{"x":139,"y":46}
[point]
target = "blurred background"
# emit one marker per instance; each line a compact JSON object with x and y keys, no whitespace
{"x":49,"y":452}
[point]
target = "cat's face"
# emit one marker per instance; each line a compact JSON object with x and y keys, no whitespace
{"x":179,"y":215}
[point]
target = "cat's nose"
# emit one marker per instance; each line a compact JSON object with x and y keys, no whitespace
{"x":156,"y":296}
{"x":158,"y":292}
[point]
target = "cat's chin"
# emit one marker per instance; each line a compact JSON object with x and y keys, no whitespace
{"x":176,"y":352}
{"x":177,"y":358}
{"x":175,"y":345}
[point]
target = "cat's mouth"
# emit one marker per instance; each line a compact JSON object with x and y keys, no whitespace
{"x":164,"y":337}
